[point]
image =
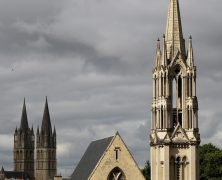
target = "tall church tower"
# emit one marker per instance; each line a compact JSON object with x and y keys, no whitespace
{"x":174,"y":137}
{"x":46,"y":165}
{"x":24,"y":144}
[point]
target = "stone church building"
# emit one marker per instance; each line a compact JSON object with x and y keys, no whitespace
{"x":107,"y":159}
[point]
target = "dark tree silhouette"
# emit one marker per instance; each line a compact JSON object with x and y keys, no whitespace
{"x":146,"y":170}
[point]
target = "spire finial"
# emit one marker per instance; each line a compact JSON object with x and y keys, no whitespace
{"x":158,"y":53}
{"x":164,"y":56}
{"x":158,"y":44}
{"x":190,"y":56}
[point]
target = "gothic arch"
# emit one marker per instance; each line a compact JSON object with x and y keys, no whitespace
{"x":116,"y":174}
{"x":185,"y":168}
{"x":184,"y":160}
{"x":178,"y":168}
{"x":178,"y":62}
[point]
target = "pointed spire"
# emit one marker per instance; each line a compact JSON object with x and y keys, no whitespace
{"x":38,"y":130}
{"x":46,"y":128}
{"x":158,"y":45}
{"x":32,"y":131}
{"x":2,"y":170}
{"x":54,"y":137}
{"x":158,"y":53}
{"x":164,"y":57}
{"x":24,"y":120}
{"x":190,"y":59}
{"x":174,"y":34}
{"x":54,"y":132}
{"x":16,"y":130}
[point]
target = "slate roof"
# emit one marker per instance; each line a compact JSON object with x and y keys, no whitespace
{"x":90,"y":159}
{"x":16,"y":175}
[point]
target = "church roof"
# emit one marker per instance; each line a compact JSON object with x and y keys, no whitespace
{"x":91,"y":158}
{"x":16,"y":175}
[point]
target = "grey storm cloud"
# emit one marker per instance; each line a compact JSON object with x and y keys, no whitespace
{"x":94,"y":59}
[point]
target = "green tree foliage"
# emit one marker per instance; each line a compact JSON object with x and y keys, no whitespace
{"x":210,"y":162}
{"x":146,"y":170}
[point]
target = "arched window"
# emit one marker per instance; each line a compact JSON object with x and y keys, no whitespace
{"x":17,"y":155}
{"x":177,"y":95}
{"x":178,"y":163}
{"x":116,"y":174}
{"x":184,"y":168}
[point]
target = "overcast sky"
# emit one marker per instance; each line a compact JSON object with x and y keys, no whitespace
{"x":94,"y":60}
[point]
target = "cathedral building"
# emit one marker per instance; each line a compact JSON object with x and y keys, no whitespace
{"x":174,"y":137}
{"x":44,"y":167}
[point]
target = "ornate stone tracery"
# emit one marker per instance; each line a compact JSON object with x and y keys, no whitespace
{"x":116,"y":174}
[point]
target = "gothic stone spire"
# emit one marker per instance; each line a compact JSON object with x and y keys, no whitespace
{"x":175,"y":135}
{"x":24,"y":126}
{"x":46,"y":166}
{"x":190,"y":57}
{"x":24,"y":145}
{"x":174,"y":34}
{"x":46,"y":128}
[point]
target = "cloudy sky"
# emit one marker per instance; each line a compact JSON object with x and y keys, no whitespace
{"x":94,"y":59}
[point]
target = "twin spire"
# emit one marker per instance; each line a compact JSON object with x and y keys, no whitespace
{"x":46,"y":127}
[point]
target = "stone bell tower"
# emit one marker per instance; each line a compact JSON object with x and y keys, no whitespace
{"x":46,"y":164}
{"x":24,"y":145}
{"x":174,"y":137}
